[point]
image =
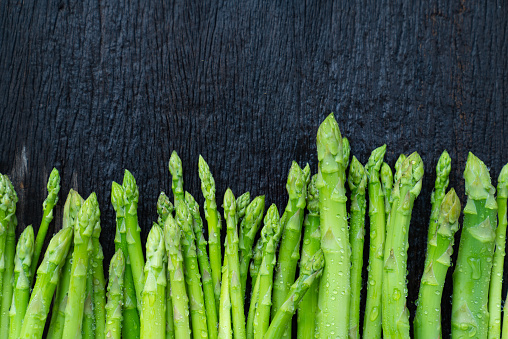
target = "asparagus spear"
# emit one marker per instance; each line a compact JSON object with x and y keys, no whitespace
{"x":252,"y":310}
{"x":153,"y":314}
{"x":47,"y":277}
{"x":204,"y":266}
{"x":357,"y":184}
{"x":270,"y":234}
{"x":235,"y":287}
{"x":115,"y":296}
{"x":427,"y":323}
{"x":471,"y":277}
{"x":99,"y":284}
{"x":175,"y":168}
{"x":225,"y":330}
{"x":22,"y":261}
{"x":398,"y":167}
{"x":311,"y":244}
{"x":88,"y":216}
{"x":386,"y":177}
{"x":241,"y":206}
{"x":164,"y":208}
{"x":297,"y":291}
{"x":289,"y":251}
{"x":256,"y":261}
{"x":496,"y":282}
{"x":334,"y":290}
{"x":47,"y":215}
{"x":88,"y":312}
{"x":176,"y":276}
{"x":372,"y":318}
{"x":214,"y":225}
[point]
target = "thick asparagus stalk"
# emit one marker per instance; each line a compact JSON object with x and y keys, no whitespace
{"x":334,"y":290}
{"x":153,"y":314}
{"x":241,"y":206}
{"x":21,"y":295}
{"x":47,"y":277}
{"x":99,"y":284}
{"x":398,"y":166}
{"x":427,"y":323}
{"x":406,"y":190}
{"x":386,"y":176}
{"x":113,"y":326}
{"x":225,"y":324}
{"x":372,"y":318}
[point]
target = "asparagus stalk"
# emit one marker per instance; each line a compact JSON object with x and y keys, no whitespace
{"x":176,"y":276}
{"x":164,"y":208}
{"x":386,"y":177}
{"x":53,"y":186}
{"x":289,"y":251}
{"x":47,"y":277}
{"x":113,"y":326}
{"x":296,"y":293}
{"x":88,"y":312}
{"x":357,"y":184}
{"x":252,"y":310}
{"x":271,"y":234}
{"x":225,"y":330}
{"x":334,"y":290}
{"x":214,"y":225}
{"x":21,"y":295}
{"x":471,"y":277}
{"x":256,"y":261}
{"x":176,"y":170}
{"x":153,"y":314}
{"x":99,"y":284}
{"x":204,"y":266}
{"x":241,"y":206}
{"x":311,"y":244}
{"x":496,"y":282}
{"x":398,"y":167}
{"x":88,"y":216}
{"x":427,"y":323}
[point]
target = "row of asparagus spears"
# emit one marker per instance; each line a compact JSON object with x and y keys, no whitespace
{"x":307,"y":261}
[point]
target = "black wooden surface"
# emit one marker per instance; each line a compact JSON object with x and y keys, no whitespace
{"x":94,"y":87}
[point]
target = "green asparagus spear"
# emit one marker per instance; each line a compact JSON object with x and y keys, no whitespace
{"x":386,"y":176}
{"x":346,"y":151}
{"x":99,"y":284}
{"x":334,"y":290}
{"x":47,"y":278}
{"x":372,"y":318}
{"x":88,"y":216}
{"x":164,"y":208}
{"x":225,"y":329}
{"x":153,"y":314}
{"x":176,"y":276}
{"x":427,"y":323}
{"x":241,"y":206}
{"x":496,"y":282}
{"x":471,"y":277}
{"x":87,"y":329}
{"x":21,"y":295}
{"x":271,"y":234}
{"x":47,"y":207}
{"x":296,"y":293}
{"x":289,"y":252}
{"x":113,"y":326}
{"x":252,"y":310}
{"x":176,"y":170}
{"x":398,"y":167}
{"x":204,"y":266}
{"x":214,"y":225}
{"x":357,"y":181}
{"x":256,"y":261}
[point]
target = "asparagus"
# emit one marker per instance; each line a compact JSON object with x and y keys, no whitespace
{"x":88,"y":216}
{"x":115,"y":296}
{"x":22,"y":272}
{"x":311,"y":244}
{"x":164,"y":208}
{"x":297,"y":291}
{"x":270,"y":234}
{"x":99,"y":284}
{"x":289,"y":251}
{"x":88,"y":311}
{"x":176,"y":277}
{"x":235,"y":287}
{"x":256,"y":261}
{"x":346,"y":151}
{"x":496,"y":282}
{"x":204,"y":266}
{"x":47,"y":278}
{"x":357,"y":184}
{"x":407,"y":188}
{"x":53,"y":187}
{"x":398,"y":167}
{"x":214,"y":225}
{"x":334,"y":290}
{"x":386,"y":177}
{"x":7,"y":214}
{"x":471,"y":277}
{"x":153,"y":314}
{"x":377,"y":200}
{"x":225,"y":331}
{"x":427,"y":323}
{"x":132,"y":233}
{"x":252,"y":310}
{"x":241,"y":206}
{"x":176,"y":170}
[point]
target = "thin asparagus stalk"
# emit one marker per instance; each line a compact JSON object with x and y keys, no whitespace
{"x":406,"y":190}
{"x":113,"y":326}
{"x":427,"y":323}
{"x":214,"y":225}
{"x":153,"y":315}
{"x":99,"y":284}
{"x":88,"y":312}
{"x":296,"y":293}
{"x":47,"y":277}
{"x":176,"y":170}
{"x":496,"y":282}
{"x":386,"y":176}
{"x":21,"y":295}
{"x":241,"y":206}
{"x":398,"y":167}
{"x":252,"y":310}
{"x":164,"y":208}
{"x":377,"y":195}
{"x":225,"y":324}
{"x":256,"y":261}
{"x":346,"y":151}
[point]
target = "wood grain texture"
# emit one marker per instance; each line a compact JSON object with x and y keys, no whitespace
{"x":93,"y":87}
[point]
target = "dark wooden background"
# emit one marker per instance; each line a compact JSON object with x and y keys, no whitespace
{"x":94,"y":87}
